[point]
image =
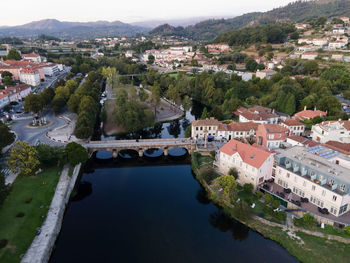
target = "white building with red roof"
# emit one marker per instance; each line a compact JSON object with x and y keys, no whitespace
{"x":295,"y":127}
{"x":18,"y":92}
{"x":254,"y":165}
{"x":271,"y":135}
{"x":204,"y":128}
{"x":32,"y":57}
{"x":237,"y":130}
{"x":257,"y":114}
{"x":309,"y":55}
{"x":331,"y":131}
{"x":30,"y":76}
{"x":309,"y":114}
{"x":4,"y":99}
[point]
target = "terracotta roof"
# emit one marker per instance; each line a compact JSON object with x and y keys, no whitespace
{"x":238,"y":126}
{"x":3,"y":95}
{"x":16,"y":89}
{"x":274,"y":128}
{"x":310,"y":114}
{"x":338,"y":146}
{"x":33,"y":55}
{"x":304,"y":141}
{"x":292,"y":122}
{"x":249,"y":154}
{"x":267,"y":71}
{"x":206,"y":122}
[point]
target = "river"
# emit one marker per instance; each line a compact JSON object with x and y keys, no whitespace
{"x":153,"y":210}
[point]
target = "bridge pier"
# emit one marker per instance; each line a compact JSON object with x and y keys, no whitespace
{"x":140,"y":153}
{"x":115,"y":154}
{"x":165,"y":151}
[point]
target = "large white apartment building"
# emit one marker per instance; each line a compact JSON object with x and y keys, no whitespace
{"x":331,"y":131}
{"x":30,"y":77}
{"x":316,"y":173}
{"x":253,"y":164}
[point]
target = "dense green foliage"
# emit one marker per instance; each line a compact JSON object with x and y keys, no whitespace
{"x":6,"y":136}
{"x":13,"y":55}
{"x":49,"y":156}
{"x":271,"y":33}
{"x":75,"y":153}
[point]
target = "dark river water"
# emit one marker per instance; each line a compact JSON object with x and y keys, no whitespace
{"x":153,"y":211}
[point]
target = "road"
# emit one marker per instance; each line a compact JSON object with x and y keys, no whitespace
{"x":140,"y":143}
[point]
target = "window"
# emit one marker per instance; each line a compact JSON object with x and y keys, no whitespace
{"x":334,"y":198}
{"x":342,"y":188}
{"x":323,"y":192}
{"x":201,"y":128}
{"x":209,"y":128}
{"x":196,"y":128}
{"x":304,"y":183}
{"x":313,"y":188}
{"x":288,"y":175}
{"x":295,"y":179}
{"x":336,"y":161}
{"x":343,"y":209}
{"x":334,"y":210}
{"x":261,"y":179}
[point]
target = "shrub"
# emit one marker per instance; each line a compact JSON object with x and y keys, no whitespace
{"x":258,"y":194}
{"x":29,"y":200}
{"x":20,"y":214}
{"x":268,"y":198}
{"x":306,"y":221}
{"x":208,"y":174}
{"x":275,"y":204}
{"x":248,"y":188}
{"x":347,"y":229}
{"x":3,"y":243}
{"x":233,"y":172}
{"x":281,"y":216}
{"x":212,"y":154}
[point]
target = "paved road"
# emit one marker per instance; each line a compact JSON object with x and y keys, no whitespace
{"x":127,"y":143}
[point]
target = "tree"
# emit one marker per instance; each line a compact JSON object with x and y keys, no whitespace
{"x":72,"y":85}
{"x":290,"y":105}
{"x":6,"y":136}
{"x":268,"y":198}
{"x":248,"y":188}
{"x":73,"y":103}
{"x":207,"y":174}
{"x":13,"y":55}
{"x":205,"y":114}
{"x":23,"y":159}
{"x":57,"y":104}
{"x":155,"y":97}
{"x":330,"y":104}
{"x":6,"y":74}
{"x":151,"y":59}
{"x":251,"y":65}
{"x":188,"y":131}
{"x":111,"y":74}
{"x":233,"y":172}
{"x":4,"y":190}
{"x":47,"y":95}
{"x":229,"y":186}
{"x":63,"y":91}
{"x":47,"y":155}
{"x":33,"y":103}
{"x":186,"y":103}
{"x":75,"y":153}
{"x":8,"y":81}
{"x":275,"y":204}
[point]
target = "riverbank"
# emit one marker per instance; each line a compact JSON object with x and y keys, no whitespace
{"x":305,"y":245}
{"x":42,"y":245}
{"x":23,"y":211}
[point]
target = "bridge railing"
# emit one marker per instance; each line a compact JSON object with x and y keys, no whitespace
{"x":184,"y":140}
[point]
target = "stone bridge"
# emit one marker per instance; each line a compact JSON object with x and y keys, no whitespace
{"x":141,"y":145}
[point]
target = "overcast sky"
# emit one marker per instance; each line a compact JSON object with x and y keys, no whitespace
{"x":23,"y":11}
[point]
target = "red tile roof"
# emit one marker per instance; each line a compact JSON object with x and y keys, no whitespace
{"x":292,"y":122}
{"x":275,"y":128}
{"x":249,"y":154}
{"x":304,"y":141}
{"x":206,"y":122}
{"x":338,"y":146}
{"x":309,"y":114}
{"x":238,"y":126}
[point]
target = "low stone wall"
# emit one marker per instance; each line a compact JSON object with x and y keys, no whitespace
{"x":41,"y":247}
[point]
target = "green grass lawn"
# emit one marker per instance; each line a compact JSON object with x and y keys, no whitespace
{"x":31,"y":196}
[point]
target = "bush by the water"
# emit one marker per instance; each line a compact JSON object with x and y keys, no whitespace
{"x":307,"y":221}
{"x":207,"y":174}
{"x":3,"y":243}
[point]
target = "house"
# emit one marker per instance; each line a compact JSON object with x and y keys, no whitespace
{"x":301,"y":26}
{"x":311,"y":173}
{"x":338,"y":57}
{"x":50,"y":69}
{"x":129,"y":53}
{"x":271,"y":135}
{"x":30,"y":76}
{"x":257,"y":114}
{"x":265,"y":74}
{"x":18,"y":92}
{"x":237,"y":130}
{"x":254,"y":165}
{"x":309,"y":55}
{"x":339,"y":30}
{"x":320,"y":42}
{"x":345,"y":19}
{"x":218,"y":48}
{"x":309,"y":114}
{"x":32,"y":57}
{"x":305,"y":40}
{"x":203,"y":128}
{"x":4,"y":99}
{"x":309,"y":32}
{"x":296,"y":140}
{"x":331,"y":131}
{"x":337,"y":44}
{"x":295,"y":127}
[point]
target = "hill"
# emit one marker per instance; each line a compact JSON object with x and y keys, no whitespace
{"x":298,"y":11}
{"x":72,"y":30}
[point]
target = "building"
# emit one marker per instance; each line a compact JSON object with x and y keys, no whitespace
{"x":345,"y":19}
{"x":301,"y":26}
{"x":338,"y":146}
{"x":257,"y":114}
{"x":203,"y":128}
{"x":218,"y":48}
{"x":309,"y":55}
{"x":316,"y":173}
{"x":337,"y":44}
{"x":331,"y":131}
{"x":320,"y":42}
{"x":295,"y":127}
{"x":296,"y":140}
{"x":254,"y":165}
{"x":129,"y":53}
{"x":271,"y":136}
{"x":338,"y":57}
{"x":265,"y":74}
{"x":237,"y":130}
{"x":305,"y":40}
{"x":18,"y":92}
{"x":339,"y":30}
{"x":30,"y":76}
{"x":50,"y":69}
{"x":32,"y":57}
{"x":309,"y":114}
{"x":4,"y":99}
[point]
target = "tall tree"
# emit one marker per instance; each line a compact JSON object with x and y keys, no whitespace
{"x":13,"y":55}
{"x":23,"y":159}
{"x":33,"y":103}
{"x":111,"y":74}
{"x":155,"y":97}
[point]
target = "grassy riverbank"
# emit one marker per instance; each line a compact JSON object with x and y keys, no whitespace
{"x":306,"y":248}
{"x":23,"y":212}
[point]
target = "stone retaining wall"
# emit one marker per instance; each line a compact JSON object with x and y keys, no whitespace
{"x":41,"y":247}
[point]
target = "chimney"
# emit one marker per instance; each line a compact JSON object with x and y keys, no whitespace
{"x":315,"y":108}
{"x":305,"y":107}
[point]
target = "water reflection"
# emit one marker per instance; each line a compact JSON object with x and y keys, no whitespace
{"x":225,"y":223}
{"x":174,"y":128}
{"x":202,"y":197}
{"x":84,"y":189}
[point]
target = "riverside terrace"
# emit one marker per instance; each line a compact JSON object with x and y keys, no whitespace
{"x":319,"y":174}
{"x":141,"y":145}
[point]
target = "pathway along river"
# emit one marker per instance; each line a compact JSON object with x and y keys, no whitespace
{"x":153,"y":211}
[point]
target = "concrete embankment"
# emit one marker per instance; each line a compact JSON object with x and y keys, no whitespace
{"x":42,"y":245}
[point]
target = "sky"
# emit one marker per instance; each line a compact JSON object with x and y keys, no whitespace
{"x":24,"y":11}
